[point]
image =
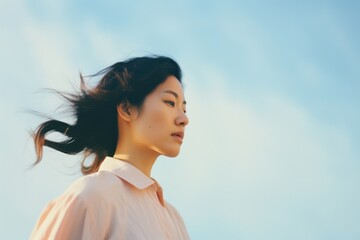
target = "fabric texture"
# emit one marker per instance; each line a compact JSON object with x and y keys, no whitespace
{"x":117,"y":202}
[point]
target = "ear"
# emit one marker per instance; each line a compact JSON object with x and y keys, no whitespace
{"x":124,"y":112}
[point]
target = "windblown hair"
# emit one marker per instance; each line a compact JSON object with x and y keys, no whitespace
{"x":95,"y":131}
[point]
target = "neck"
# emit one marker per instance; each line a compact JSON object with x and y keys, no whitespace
{"x":141,"y":157}
{"x":142,"y":160}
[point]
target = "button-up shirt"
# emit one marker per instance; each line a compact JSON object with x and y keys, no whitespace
{"x":117,"y":202}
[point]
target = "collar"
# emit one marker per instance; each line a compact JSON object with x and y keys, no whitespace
{"x":127,"y":172}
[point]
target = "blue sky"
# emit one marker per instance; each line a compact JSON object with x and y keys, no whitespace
{"x":272,"y":149}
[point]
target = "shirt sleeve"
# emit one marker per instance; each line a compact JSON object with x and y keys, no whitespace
{"x":67,"y":217}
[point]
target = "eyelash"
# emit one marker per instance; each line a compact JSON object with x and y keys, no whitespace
{"x":171,"y":103}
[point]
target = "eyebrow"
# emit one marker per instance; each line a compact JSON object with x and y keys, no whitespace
{"x":175,"y":94}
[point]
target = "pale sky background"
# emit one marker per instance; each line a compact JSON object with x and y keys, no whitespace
{"x":272,"y":148}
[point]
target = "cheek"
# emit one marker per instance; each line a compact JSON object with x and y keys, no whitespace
{"x":157,"y":120}
{"x":154,"y":123}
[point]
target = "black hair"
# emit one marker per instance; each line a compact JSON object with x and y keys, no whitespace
{"x":95,"y":131}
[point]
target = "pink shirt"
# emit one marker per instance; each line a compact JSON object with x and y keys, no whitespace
{"x":117,"y":202}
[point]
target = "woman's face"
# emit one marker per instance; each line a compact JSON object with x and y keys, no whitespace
{"x":160,"y":124}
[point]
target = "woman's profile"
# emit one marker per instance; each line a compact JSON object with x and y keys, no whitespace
{"x":136,"y":113}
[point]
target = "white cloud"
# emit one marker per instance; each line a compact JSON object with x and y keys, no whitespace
{"x":107,"y":47}
{"x":251,"y":168}
{"x":51,"y":48}
{"x":266,"y":165}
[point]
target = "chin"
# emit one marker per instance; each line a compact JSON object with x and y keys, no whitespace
{"x":171,"y":152}
{"x":168,"y":151}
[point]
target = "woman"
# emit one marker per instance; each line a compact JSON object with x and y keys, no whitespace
{"x":135,"y":114}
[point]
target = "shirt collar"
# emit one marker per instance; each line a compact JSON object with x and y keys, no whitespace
{"x":127,"y":172}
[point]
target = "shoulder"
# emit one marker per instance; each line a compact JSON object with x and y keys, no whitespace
{"x":178,"y":221}
{"x":76,"y":212}
{"x":96,"y":188}
{"x":173,"y":212}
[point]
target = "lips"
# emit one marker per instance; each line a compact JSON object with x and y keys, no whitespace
{"x":178,"y":136}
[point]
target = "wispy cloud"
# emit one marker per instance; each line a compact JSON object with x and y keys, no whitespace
{"x":257,"y":161}
{"x":260,"y":167}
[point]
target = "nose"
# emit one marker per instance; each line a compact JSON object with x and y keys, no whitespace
{"x":182,"y":119}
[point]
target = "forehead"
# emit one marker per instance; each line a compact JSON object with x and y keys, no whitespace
{"x":171,"y":84}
